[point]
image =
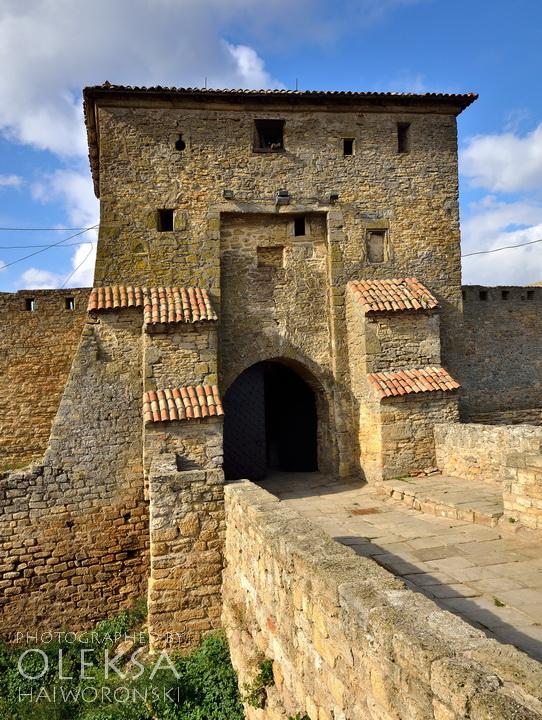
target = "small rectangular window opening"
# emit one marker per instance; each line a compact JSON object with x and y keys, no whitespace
{"x":164,"y":220}
{"x":269,"y":135}
{"x":403,"y":137}
{"x":299,"y":226}
{"x":376,"y":246}
{"x":70,"y":303}
{"x":463,"y":294}
{"x":29,"y":304}
{"x":530,"y":294}
{"x":483,"y":294}
{"x":348,"y":146}
{"x":505,"y":294}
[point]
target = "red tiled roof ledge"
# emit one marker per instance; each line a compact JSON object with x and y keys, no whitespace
{"x":160,"y":304}
{"x":188,"y":402}
{"x":392,"y":295}
{"x":416,"y":380}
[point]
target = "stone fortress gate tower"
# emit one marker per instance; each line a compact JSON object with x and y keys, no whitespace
{"x":277,"y":288}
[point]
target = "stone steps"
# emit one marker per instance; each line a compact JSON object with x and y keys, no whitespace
{"x":447,"y":496}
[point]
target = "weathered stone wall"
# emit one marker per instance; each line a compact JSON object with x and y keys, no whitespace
{"x":528,"y":416}
{"x":480,"y":452}
{"x":184,"y":354}
{"x":394,"y":435}
{"x":36,"y":352}
{"x":508,"y":455}
{"x":411,"y":196}
{"x":407,"y":430}
{"x":501,"y":368}
{"x":187,"y":535}
{"x":75,"y":529}
{"x":401,"y":340}
{"x":346,"y":638}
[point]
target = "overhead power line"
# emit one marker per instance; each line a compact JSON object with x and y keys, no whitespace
{"x":23,"y":247}
{"x":47,"y":247}
{"x":41,"y":229}
{"x":504,"y":247}
{"x":77,"y":268}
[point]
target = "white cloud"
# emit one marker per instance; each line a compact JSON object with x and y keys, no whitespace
{"x":2,"y":266}
{"x":36,"y":279}
{"x":504,"y":162}
{"x":13,"y":181}
{"x":494,"y":224}
{"x":54,"y":47}
{"x":74,"y":189}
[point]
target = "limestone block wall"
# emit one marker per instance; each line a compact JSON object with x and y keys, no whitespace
{"x":75,"y":529}
{"x":501,"y":366}
{"x":407,"y":430}
{"x":36,"y":351}
{"x":346,"y":638}
{"x":186,"y":532}
{"x":480,"y":452}
{"x":401,"y":340}
{"x":527,"y":416}
{"x":394,"y":435}
{"x":411,"y":196}
{"x":181,"y":354}
{"x":274,"y":299}
{"x":522,"y":491}
{"x":508,"y":455}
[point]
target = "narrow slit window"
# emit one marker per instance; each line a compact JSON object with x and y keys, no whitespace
{"x":30,"y":304}
{"x":164,"y":220}
{"x":70,"y":303}
{"x":348,"y":146}
{"x":403,"y":137}
{"x":505,"y":294}
{"x":299,"y":226}
{"x":180,"y":144}
{"x":483,"y":294}
{"x":269,"y":135}
{"x":530,"y":294}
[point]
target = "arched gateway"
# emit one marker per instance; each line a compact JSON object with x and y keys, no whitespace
{"x":270,"y":423}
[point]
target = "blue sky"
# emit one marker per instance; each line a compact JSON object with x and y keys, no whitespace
{"x":53,"y":47}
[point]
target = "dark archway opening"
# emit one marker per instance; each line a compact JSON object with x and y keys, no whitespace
{"x":270,"y":423}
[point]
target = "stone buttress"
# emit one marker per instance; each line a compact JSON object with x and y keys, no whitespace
{"x":399,"y":388}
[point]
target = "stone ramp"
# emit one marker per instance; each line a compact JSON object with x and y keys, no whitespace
{"x":491,"y":579}
{"x":448,"y":496}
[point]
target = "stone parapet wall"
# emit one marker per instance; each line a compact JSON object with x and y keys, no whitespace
{"x":36,"y":351}
{"x":187,"y":535}
{"x":482,"y":452}
{"x":346,"y":638}
{"x":501,"y":364}
{"x":508,"y":455}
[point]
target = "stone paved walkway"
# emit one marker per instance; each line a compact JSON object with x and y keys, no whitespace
{"x":493,"y":580}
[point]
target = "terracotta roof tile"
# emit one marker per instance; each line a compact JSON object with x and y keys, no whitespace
{"x":182,"y":403}
{"x":160,"y":304}
{"x":416,"y":380}
{"x":392,"y":295}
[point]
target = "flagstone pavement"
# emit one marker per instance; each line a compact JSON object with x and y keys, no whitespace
{"x":491,"y":578}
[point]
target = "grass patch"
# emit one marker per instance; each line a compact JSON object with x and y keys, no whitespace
{"x":200,"y":686}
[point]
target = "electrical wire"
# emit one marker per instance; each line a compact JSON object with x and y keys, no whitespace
{"x":22,"y":247}
{"x":77,"y":268}
{"x":505,"y":247}
{"x":56,"y":229}
{"x":47,"y":247}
